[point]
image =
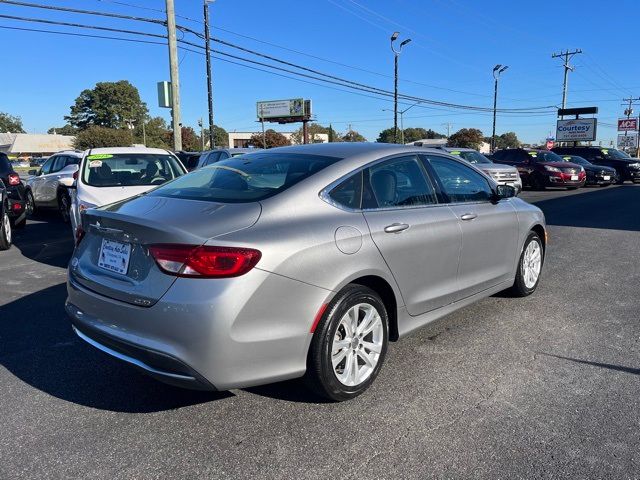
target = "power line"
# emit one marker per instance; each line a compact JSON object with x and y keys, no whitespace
{"x":567,"y":56}
{"x":329,"y":78}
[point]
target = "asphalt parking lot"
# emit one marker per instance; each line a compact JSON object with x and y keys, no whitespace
{"x":545,"y":386}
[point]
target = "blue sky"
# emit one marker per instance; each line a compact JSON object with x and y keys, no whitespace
{"x":455,"y":44}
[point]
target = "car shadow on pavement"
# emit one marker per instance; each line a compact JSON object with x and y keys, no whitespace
{"x":609,"y":366}
{"x":45,"y":239}
{"x":612,"y":208}
{"x":38,"y":346}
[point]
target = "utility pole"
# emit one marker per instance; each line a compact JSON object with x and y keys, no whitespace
{"x":448,"y":125}
{"x":201,"y":125}
{"x":207,"y":46}
{"x":175,"y":78}
{"x":396,"y":54}
{"x":566,"y":55}
{"x":497,"y":70}
{"x":401,"y":112}
{"x":264,"y":135}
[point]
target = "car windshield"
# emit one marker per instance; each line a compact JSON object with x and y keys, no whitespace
{"x":575,"y":159}
{"x":247,"y":178}
{"x":546,"y":156}
{"x":129,"y":169}
{"x":471,"y":156}
{"x":615,"y":154}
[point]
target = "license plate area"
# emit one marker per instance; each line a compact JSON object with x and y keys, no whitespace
{"x":607,"y":177}
{"x":574,"y":178}
{"x":114,"y":256}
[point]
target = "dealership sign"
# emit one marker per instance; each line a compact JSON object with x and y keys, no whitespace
{"x":628,"y":141}
{"x":576,"y":130}
{"x":280,"y":108}
{"x":627,"y":124}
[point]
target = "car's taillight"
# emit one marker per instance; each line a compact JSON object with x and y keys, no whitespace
{"x":16,"y":207}
{"x":14,"y":179}
{"x":79,"y":234}
{"x":204,"y":261}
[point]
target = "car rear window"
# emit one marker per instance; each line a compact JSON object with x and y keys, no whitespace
{"x":129,"y":169}
{"x":248,"y":178}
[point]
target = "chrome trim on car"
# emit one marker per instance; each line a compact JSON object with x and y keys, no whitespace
{"x":131,"y":360}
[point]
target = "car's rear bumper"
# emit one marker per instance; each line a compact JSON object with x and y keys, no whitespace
{"x":207,"y":334}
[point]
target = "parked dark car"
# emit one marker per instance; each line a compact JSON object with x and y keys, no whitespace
{"x":596,"y":174}
{"x":16,"y":197}
{"x":628,"y":168}
{"x":189,"y":159}
{"x":541,"y":168}
{"x":5,"y":223}
{"x":213,"y":156}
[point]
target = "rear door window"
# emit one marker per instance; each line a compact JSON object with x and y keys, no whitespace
{"x":59,"y":163}
{"x":348,"y":193}
{"x":460,"y":183}
{"x":400,"y":182}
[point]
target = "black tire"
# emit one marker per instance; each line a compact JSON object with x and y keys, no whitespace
{"x":321,"y":377}
{"x":64,"y":205}
{"x":519,"y":288}
{"x":620,"y":179}
{"x":572,"y":188}
{"x":5,"y":232}
{"x":30,"y":204}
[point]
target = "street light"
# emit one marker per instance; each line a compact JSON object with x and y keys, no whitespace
{"x":396,"y":54}
{"x":402,"y":112}
{"x":497,"y":70}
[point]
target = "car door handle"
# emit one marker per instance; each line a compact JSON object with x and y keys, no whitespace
{"x":468,"y":216}
{"x":396,"y":227}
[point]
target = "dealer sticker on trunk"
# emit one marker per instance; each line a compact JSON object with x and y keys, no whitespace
{"x":114,"y":256}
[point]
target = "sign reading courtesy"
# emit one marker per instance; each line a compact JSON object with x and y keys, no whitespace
{"x":576,"y":130}
{"x":280,"y":108}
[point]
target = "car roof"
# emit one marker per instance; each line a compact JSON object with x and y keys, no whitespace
{"x":455,"y":149}
{"x":115,"y":150}
{"x":73,"y":153}
{"x":351,"y":149}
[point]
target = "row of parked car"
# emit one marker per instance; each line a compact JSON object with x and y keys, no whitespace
{"x":133,"y":170}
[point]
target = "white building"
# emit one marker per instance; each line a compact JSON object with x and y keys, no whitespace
{"x":24,"y":145}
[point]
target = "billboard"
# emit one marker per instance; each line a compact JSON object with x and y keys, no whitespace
{"x":576,"y":130}
{"x":628,"y":141}
{"x":627,"y":124}
{"x":293,"y":107}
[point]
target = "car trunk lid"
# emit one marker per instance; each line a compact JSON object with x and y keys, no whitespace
{"x":113,"y":258}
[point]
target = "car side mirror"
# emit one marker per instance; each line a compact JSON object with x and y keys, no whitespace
{"x":33,"y":172}
{"x":504,"y":191}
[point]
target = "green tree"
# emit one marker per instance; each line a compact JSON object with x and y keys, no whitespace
{"x":507,"y":140}
{"x":64,"y":130}
{"x":415,"y":134}
{"x":313,"y":129}
{"x":108,"y":104}
{"x":466,"y":138}
{"x":353,"y":136}
{"x":10,"y":124}
{"x":333,"y":135}
{"x":220,"y":136}
{"x":155,"y":130}
{"x":386,"y":136}
{"x":272,"y":138}
{"x":94,"y":137}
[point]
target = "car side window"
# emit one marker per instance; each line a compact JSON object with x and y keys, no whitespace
{"x":211,"y":158}
{"x":400,"y":182}
{"x":59,"y":163}
{"x":459,"y":182}
{"x":72,"y":161}
{"x":348,"y":192}
{"x":46,"y":168}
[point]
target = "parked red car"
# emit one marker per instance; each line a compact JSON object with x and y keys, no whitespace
{"x":541,"y":168}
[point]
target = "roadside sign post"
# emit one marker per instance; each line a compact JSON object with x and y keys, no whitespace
{"x":577,"y":129}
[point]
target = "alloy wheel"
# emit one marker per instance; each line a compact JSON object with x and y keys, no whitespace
{"x":6,"y":228}
{"x":532,"y":263}
{"x":357,"y":344}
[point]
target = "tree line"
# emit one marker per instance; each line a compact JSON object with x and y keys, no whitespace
{"x":113,"y":114}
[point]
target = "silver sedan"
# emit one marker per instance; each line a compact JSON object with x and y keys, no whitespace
{"x":297,"y":261}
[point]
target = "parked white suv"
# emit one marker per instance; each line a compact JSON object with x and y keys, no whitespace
{"x":108,"y":175}
{"x":47,"y":187}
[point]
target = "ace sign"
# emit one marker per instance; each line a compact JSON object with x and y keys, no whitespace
{"x":627,"y":124}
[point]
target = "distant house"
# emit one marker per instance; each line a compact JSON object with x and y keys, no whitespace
{"x":24,"y":145}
